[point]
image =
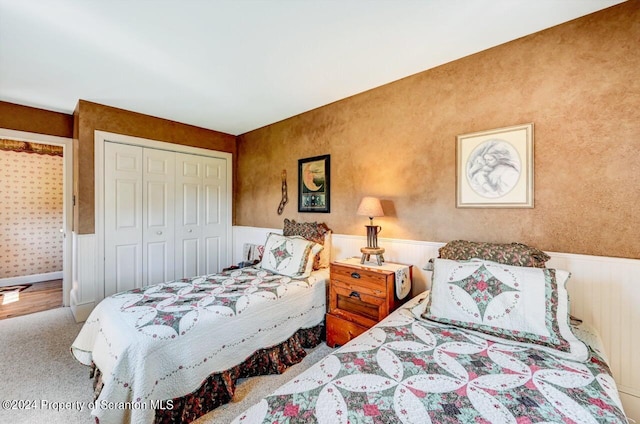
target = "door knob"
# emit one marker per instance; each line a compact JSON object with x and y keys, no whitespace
{"x":159,"y":233}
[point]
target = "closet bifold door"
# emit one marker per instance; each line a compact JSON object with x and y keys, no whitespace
{"x":165,"y":216}
{"x":214,"y":230}
{"x":200,"y":215}
{"x":123,"y":217}
{"x":188,"y":215}
{"x":158,"y":199}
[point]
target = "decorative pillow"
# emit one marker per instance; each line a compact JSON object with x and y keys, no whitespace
{"x":521,"y":304}
{"x":314,"y":232}
{"x":517,"y":254}
{"x":290,"y":256}
{"x":252,"y":252}
{"x":324,"y":257}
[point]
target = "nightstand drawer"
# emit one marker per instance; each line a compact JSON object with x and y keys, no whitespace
{"x":340,"y":331}
{"x":356,"y":304}
{"x":361,"y":288}
{"x":361,"y":276}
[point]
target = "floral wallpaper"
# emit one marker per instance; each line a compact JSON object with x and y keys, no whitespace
{"x":30,"y":214}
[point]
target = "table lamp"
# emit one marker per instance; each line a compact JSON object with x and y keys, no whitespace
{"x":371,"y":207}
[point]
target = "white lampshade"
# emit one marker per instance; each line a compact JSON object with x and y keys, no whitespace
{"x":370,"y":206}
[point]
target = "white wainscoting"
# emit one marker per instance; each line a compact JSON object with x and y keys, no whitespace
{"x":83,"y":290}
{"x":415,"y":253}
{"x":603,"y":291}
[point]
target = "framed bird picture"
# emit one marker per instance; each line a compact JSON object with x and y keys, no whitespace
{"x":314,"y":184}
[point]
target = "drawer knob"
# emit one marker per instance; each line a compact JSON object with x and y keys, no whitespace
{"x":355,"y":275}
{"x":355,"y":294}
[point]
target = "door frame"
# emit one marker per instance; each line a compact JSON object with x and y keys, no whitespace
{"x":101,"y":137}
{"x":67,"y":198}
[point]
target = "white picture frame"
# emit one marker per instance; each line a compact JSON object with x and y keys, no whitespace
{"x":494,"y":168}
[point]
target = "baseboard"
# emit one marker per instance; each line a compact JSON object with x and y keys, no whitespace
{"x":80,"y":311}
{"x":27,"y":279}
{"x":631,"y":406}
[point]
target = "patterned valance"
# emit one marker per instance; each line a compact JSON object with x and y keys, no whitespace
{"x":28,"y":147}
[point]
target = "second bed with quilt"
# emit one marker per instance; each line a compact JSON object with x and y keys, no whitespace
{"x":490,"y":343}
{"x":173,"y":351}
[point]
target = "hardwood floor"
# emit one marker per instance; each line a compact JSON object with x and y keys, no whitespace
{"x":39,"y":297}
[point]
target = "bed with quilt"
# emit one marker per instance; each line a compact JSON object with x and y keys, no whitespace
{"x":489,"y":343}
{"x":172,"y":352}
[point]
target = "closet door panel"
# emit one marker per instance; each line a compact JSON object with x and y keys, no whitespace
{"x":189,"y":215}
{"x":214,"y":229}
{"x":213,"y":246}
{"x":123,"y":217}
{"x":159,"y":216}
{"x":190,"y":263}
{"x":212,"y":204}
{"x":126,"y":206}
{"x":127,"y":267}
{"x":190,"y":204}
{"x":157,"y":254}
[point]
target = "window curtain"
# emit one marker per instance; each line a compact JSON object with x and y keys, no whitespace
{"x":28,"y":147}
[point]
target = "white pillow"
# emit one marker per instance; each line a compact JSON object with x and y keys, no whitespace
{"x":291,"y":256}
{"x":520,"y":304}
{"x":325,"y":254}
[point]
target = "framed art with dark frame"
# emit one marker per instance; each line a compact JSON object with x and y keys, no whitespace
{"x":494,"y":168}
{"x":314,"y":184}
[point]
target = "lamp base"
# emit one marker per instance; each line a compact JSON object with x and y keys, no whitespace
{"x":368,"y":251}
{"x":372,"y":235}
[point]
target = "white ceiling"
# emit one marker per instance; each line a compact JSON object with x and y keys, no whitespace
{"x":237,"y":65}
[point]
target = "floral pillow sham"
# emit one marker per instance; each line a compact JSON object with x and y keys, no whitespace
{"x":520,"y":304}
{"x":290,"y":256}
{"x":313,"y":231}
{"x":516,"y":254}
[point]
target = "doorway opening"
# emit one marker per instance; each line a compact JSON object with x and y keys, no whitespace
{"x":36,"y":217}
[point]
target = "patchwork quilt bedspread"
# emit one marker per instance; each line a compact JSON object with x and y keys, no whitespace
{"x":160,"y":342}
{"x":409,"y":370}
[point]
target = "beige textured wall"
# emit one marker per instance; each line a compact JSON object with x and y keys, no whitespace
{"x":30,"y":119}
{"x":579,"y":83}
{"x":30,"y":214}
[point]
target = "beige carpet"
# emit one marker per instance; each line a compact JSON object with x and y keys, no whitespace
{"x":38,"y":367}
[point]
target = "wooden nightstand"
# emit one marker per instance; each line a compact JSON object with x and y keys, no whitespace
{"x":360,"y":296}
